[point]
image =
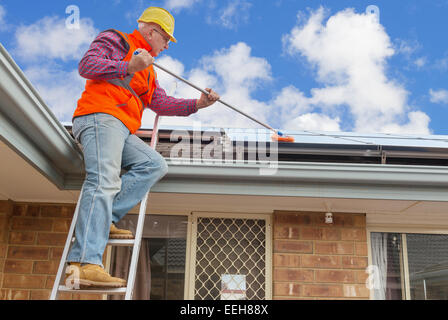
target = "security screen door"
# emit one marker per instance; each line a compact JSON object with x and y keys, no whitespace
{"x":230,"y":257}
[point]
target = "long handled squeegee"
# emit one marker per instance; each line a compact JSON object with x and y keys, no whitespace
{"x":277,"y":136}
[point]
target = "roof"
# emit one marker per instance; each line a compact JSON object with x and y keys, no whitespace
{"x":333,"y":147}
{"x":345,"y":165}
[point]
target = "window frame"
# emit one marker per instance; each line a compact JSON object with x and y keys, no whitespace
{"x":403,"y":230}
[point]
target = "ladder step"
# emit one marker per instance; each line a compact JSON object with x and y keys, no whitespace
{"x":118,"y":291}
{"x":118,"y":242}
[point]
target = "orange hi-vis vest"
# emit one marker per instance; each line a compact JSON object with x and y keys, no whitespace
{"x":124,"y":98}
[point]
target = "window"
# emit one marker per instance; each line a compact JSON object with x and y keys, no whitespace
{"x":409,"y":266}
{"x":161,"y":266}
{"x":204,"y":256}
{"x":230,"y":259}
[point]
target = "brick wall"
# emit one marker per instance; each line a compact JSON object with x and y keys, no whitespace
{"x":314,"y":260}
{"x":32,"y":238}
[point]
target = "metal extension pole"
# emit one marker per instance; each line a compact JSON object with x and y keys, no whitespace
{"x":223,"y":102}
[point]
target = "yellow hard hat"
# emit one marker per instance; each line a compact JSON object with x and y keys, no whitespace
{"x":160,"y":16}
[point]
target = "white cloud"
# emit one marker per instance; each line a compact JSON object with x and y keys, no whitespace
{"x":3,"y":24}
{"x":59,"y":89}
{"x":2,"y":14}
{"x":420,"y":62}
{"x":313,"y":122}
{"x":441,"y":64}
{"x":349,"y":53}
{"x":177,"y":5}
{"x":418,"y":124}
{"x":234,"y":14}
{"x":45,"y":47}
{"x":49,"y":38}
{"x":218,"y":71}
{"x":289,"y":103}
{"x":438,"y":96}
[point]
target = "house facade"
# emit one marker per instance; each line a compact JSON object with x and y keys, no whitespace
{"x":331,"y":216}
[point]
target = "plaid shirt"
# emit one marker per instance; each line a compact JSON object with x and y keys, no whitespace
{"x":103,"y":61}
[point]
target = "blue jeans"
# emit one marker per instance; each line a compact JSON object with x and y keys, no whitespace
{"x":106,"y":197}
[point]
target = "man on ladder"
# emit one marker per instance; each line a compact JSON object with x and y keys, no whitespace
{"x":121,"y":83}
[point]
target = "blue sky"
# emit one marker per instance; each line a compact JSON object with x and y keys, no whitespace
{"x":298,"y":65}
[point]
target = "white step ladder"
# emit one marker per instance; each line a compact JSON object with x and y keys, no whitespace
{"x":129,"y":289}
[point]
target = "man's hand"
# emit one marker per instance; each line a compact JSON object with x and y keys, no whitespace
{"x":140,"y":62}
{"x":207,"y":100}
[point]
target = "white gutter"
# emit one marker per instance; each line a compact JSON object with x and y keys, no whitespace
{"x":328,"y":180}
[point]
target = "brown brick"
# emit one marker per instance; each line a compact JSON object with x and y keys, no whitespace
{"x":40,"y":294}
{"x":19,"y":210}
{"x":4,"y":228}
{"x":339,"y":276}
{"x":56,"y":253}
{"x":57,"y":211}
{"x":3,"y":250}
{"x":313,"y":261}
{"x":354,"y":234}
{"x":361,"y":248}
{"x":83,"y":296}
{"x":356,"y":291}
{"x":61,"y":225}
{"x":351,"y":262}
{"x":293,"y":218}
{"x":359,"y":220}
{"x":22,"y":237}
{"x":361,"y":276}
{"x":287,"y":289}
{"x":18,"y":266}
{"x":32,"y":210}
{"x":26,"y":210}
{"x":293,"y":246}
{"x":286,"y":232}
{"x":65,"y":296}
{"x":50,"y":282}
{"x":31,"y":224}
{"x":11,"y":294}
{"x":334,"y":247}
{"x":46,"y":267}
{"x":286,"y":260}
{"x":6,"y":207}
{"x":51,"y":238}
{"x":331,"y":234}
{"x":317,"y":290}
{"x":293,"y":275}
{"x":290,"y":298}
{"x":310,"y":233}
{"x":24,"y":281}
{"x":32,"y":253}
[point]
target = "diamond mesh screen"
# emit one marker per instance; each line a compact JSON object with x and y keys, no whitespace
{"x":230,"y":247}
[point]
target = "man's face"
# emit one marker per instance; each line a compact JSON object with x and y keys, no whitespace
{"x":158,"y":39}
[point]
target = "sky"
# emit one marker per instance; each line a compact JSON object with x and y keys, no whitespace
{"x":374,"y":66}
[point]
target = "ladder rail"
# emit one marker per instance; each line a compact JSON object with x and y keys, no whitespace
{"x":61,"y":269}
{"x":140,"y":224}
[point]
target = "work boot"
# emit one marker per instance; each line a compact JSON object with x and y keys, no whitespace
{"x":116,"y":233}
{"x":91,"y":276}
